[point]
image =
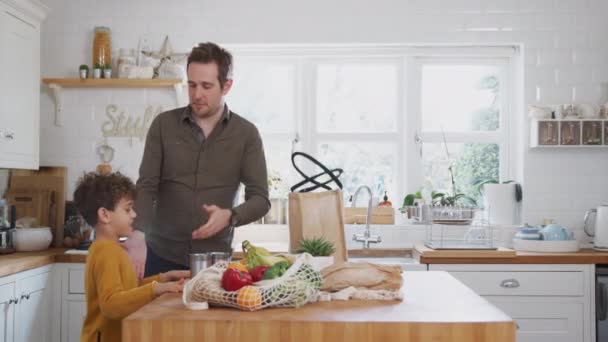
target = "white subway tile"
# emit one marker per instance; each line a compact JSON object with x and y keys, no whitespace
{"x":593,"y":56}
{"x":554,"y":22}
{"x":543,"y":6}
{"x":501,"y":6}
{"x":587,"y":93}
{"x":540,"y":75}
{"x":554,"y":57}
{"x":573,"y":75}
{"x":555,"y":94}
{"x":600,"y":74}
{"x":572,"y":39}
{"x":571,"y":5}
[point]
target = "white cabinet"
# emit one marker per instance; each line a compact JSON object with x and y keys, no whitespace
{"x":25,"y":306}
{"x":20,"y":77}
{"x":7,"y":311}
{"x":73,"y":301}
{"x":33,"y":315}
{"x":551,"y":303}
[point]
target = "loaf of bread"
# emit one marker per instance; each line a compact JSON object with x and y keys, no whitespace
{"x":361,"y":275}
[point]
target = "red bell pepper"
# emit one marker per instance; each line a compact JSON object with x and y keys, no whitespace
{"x":234,"y":279}
{"x":257,"y":273}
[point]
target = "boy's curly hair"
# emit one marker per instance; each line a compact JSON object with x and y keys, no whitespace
{"x":94,"y":191}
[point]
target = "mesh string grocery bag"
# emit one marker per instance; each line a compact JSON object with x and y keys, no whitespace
{"x":299,"y":285}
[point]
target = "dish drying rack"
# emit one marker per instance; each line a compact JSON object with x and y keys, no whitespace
{"x":457,"y":228}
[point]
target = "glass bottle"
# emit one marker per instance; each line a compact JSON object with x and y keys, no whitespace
{"x":102,"y":46}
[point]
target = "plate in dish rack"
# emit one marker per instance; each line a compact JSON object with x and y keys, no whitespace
{"x":567,"y":246}
{"x":453,"y":222}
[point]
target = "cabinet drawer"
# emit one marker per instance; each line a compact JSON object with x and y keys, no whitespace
{"x":34,"y":283}
{"x":537,"y":283}
{"x":76,"y":281}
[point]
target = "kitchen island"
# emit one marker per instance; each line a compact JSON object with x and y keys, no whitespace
{"x":436,"y":307}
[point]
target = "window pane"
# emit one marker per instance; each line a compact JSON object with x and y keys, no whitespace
{"x":357,"y":97}
{"x":460,"y":98}
{"x":278,"y":163}
{"x":370,"y":164}
{"x":264,"y":93}
{"x":471,"y":162}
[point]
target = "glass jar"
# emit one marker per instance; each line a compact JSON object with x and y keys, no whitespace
{"x":126,"y":59}
{"x":102,"y":46}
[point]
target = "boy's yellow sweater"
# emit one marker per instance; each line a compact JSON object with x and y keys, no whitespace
{"x":112,"y":291}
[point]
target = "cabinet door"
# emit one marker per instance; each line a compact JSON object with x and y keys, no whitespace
{"x":33,"y":316}
{"x":76,"y":312}
{"x":7,"y":295}
{"x":551,"y":320}
{"x":19,"y":108}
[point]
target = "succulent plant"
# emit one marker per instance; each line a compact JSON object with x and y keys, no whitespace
{"x":317,"y":246}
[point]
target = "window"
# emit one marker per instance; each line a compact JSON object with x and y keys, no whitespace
{"x":384,"y":114}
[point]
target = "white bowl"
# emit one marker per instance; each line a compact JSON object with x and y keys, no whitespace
{"x":32,"y":239}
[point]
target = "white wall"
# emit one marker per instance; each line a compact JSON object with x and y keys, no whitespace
{"x":565,"y":54}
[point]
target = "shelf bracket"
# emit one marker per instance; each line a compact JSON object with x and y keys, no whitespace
{"x":57,"y":90}
{"x":179,"y":94}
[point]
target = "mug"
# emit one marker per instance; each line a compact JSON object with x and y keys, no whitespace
{"x":555,"y":232}
{"x":587,"y":111}
{"x":198,"y":262}
{"x":537,"y":112}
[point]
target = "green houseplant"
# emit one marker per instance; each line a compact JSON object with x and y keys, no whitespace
{"x":83,"y":71}
{"x":321,"y":249}
{"x":317,"y":246}
{"x":97,"y":70}
{"x":107,"y":71}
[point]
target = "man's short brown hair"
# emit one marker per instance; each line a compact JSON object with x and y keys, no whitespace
{"x":212,"y":53}
{"x":94,"y":191}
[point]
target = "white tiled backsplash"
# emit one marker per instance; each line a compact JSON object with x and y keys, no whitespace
{"x":564,"y":60}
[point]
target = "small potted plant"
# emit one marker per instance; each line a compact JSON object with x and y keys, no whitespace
{"x":83,"y":71}
{"x":107,"y":71}
{"x":321,"y":249}
{"x":97,"y":70}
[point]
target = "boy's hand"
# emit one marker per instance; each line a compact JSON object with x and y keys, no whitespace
{"x":136,"y":248}
{"x":170,"y":287}
{"x":173,"y":276}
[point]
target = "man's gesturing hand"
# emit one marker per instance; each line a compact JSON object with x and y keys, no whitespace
{"x":218,"y":219}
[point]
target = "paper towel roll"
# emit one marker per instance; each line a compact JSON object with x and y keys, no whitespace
{"x":499,"y":202}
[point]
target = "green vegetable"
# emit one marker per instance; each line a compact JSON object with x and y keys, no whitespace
{"x":318,"y":246}
{"x":276,"y":270}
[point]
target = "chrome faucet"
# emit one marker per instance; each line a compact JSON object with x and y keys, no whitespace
{"x":366,"y":238}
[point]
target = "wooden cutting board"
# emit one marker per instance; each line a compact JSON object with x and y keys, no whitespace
{"x":31,"y":203}
{"x":501,"y":252}
{"x":49,"y":178}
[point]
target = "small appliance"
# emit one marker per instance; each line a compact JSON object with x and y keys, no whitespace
{"x":600,"y":228}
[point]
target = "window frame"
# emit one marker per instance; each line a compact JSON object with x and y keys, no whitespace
{"x":408,"y":168}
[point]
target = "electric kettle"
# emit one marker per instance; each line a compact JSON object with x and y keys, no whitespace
{"x":600,"y":230}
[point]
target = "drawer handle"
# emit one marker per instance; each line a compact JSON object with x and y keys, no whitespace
{"x":509,"y":283}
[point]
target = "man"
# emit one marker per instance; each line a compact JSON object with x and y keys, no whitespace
{"x":194,"y":160}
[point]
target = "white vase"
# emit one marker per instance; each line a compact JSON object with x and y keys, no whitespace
{"x":320,"y":262}
{"x":500,"y":203}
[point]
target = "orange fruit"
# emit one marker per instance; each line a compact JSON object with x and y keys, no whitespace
{"x":249,"y":298}
{"x":238,"y":266}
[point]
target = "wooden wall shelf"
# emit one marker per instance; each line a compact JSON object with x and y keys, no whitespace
{"x":111,"y":82}
{"x":57,"y":85}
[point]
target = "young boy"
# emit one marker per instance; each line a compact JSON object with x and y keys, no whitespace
{"x":111,"y":286}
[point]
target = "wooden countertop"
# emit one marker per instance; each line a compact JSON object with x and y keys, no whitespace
{"x":437,"y":307}
{"x":23,"y":261}
{"x":584,"y":256}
